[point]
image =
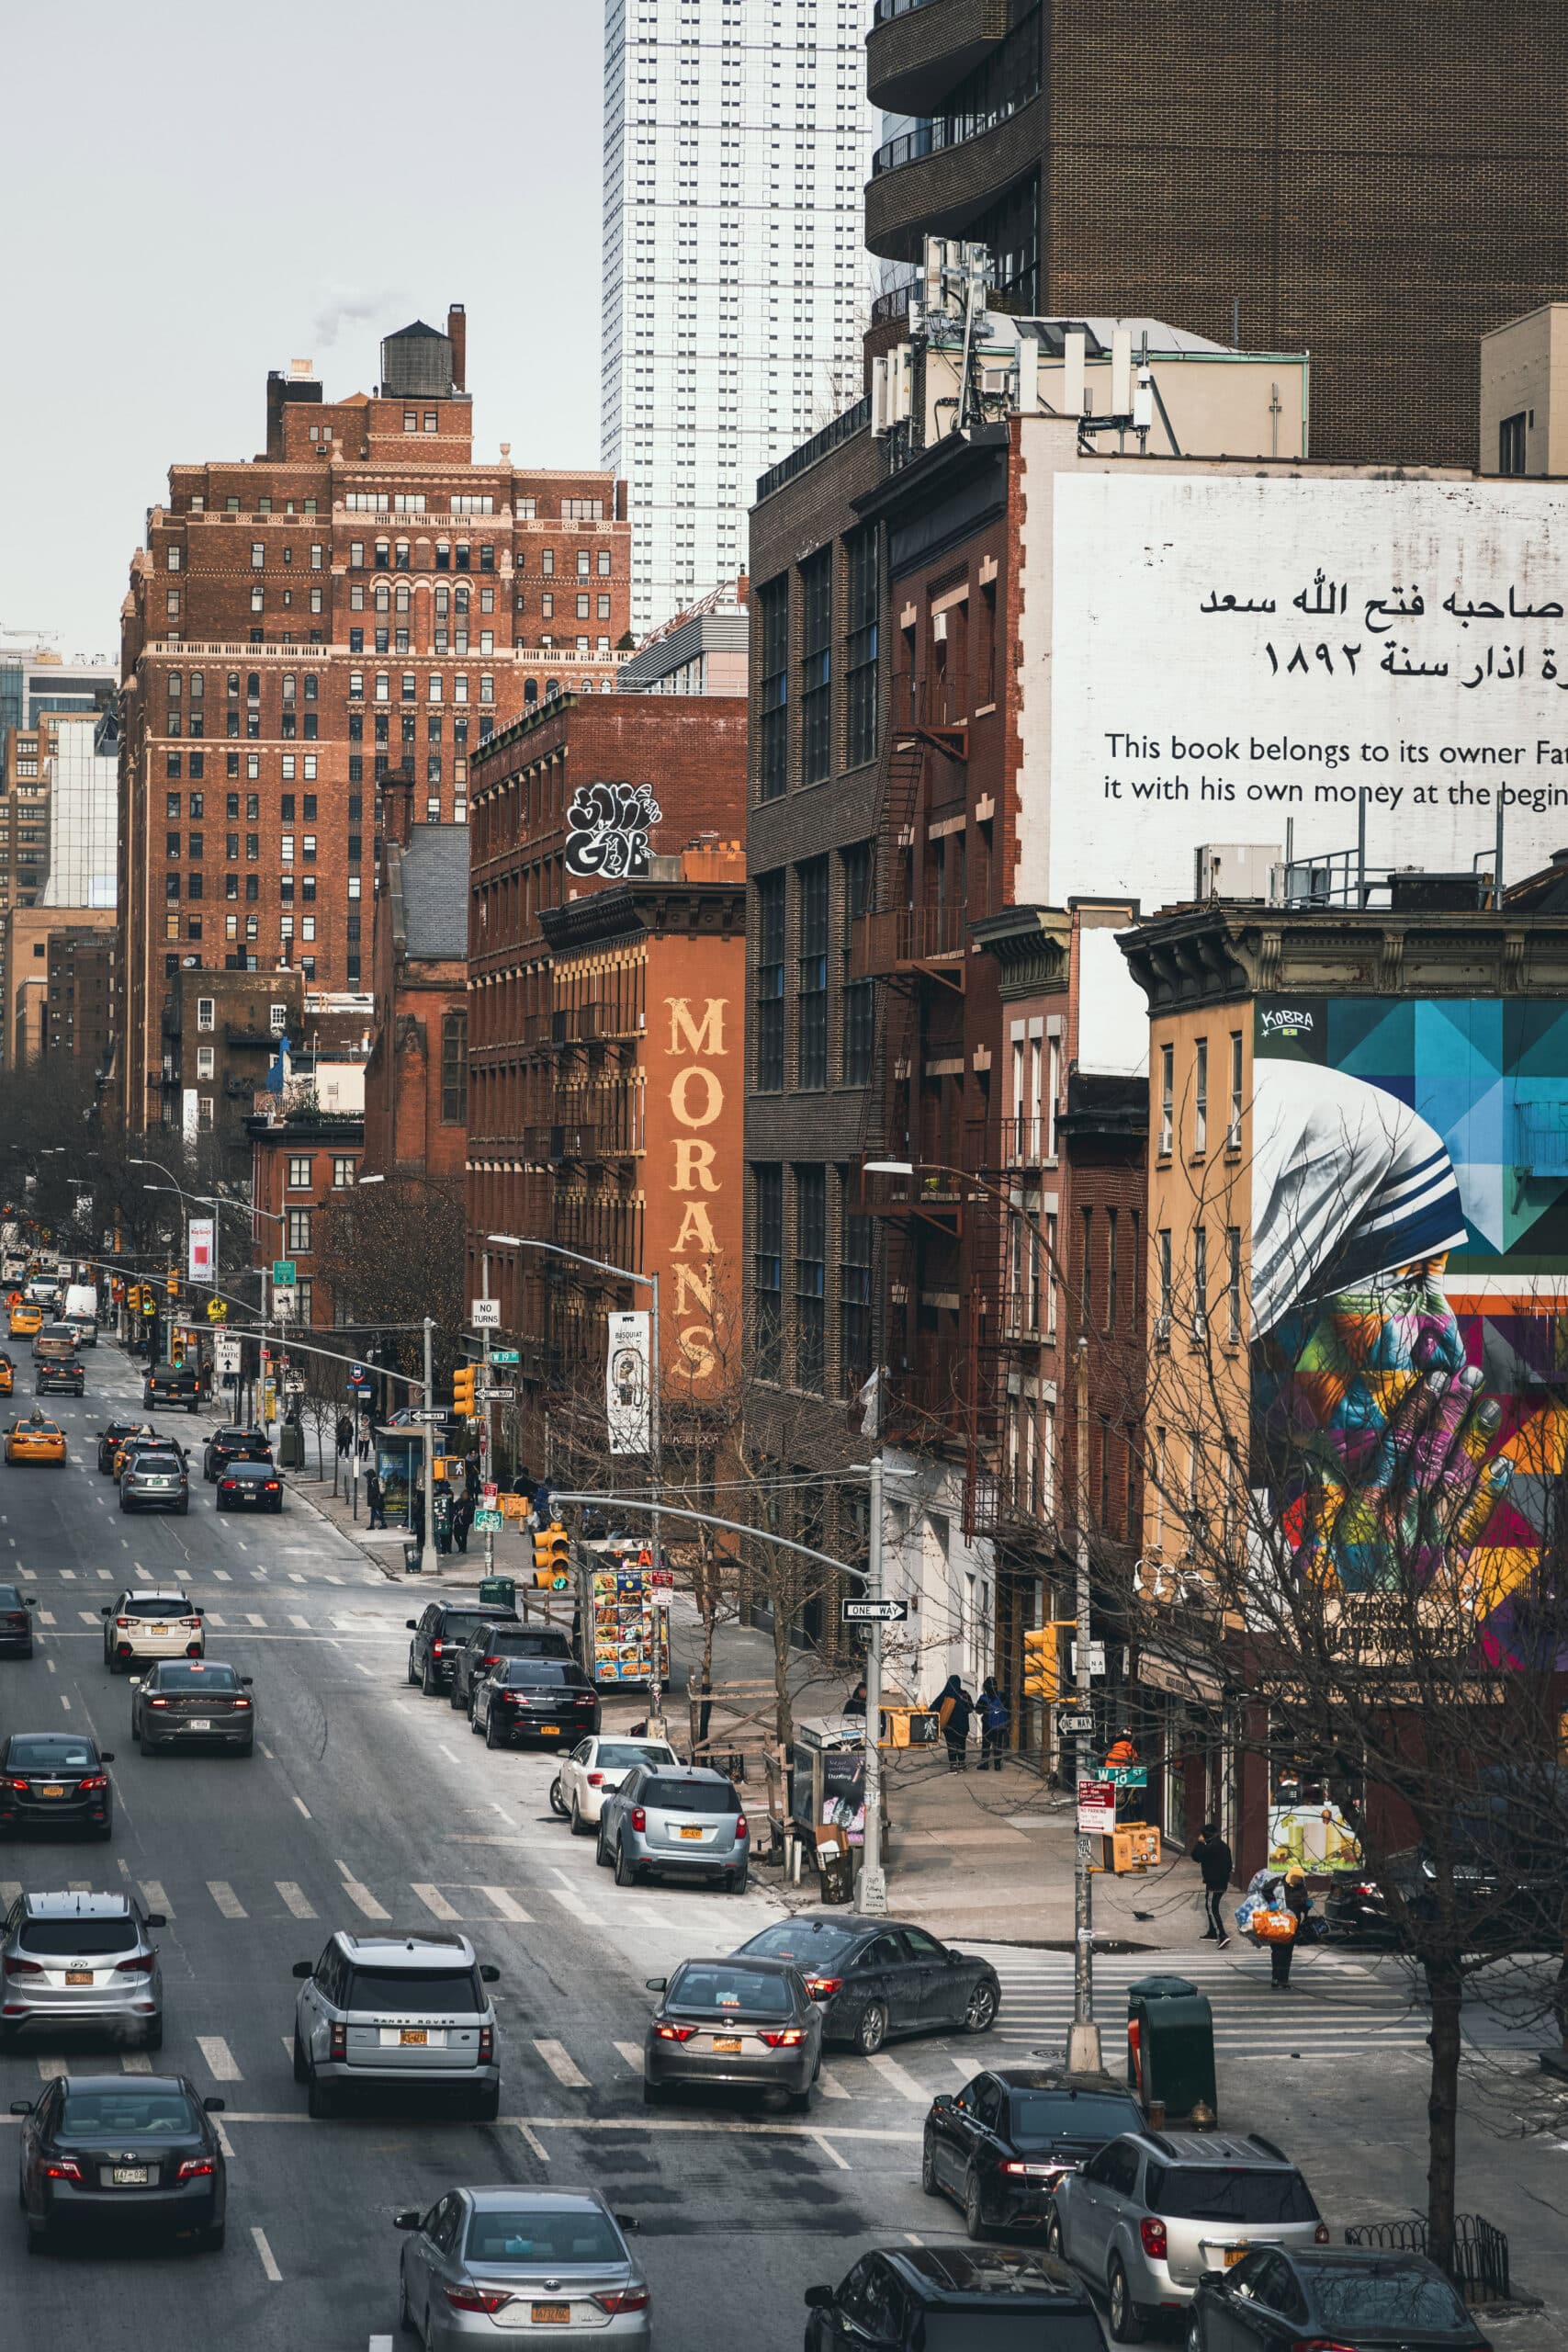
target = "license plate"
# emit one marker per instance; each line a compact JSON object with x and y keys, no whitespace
{"x":1234,"y":2254}
{"x":160,"y":1629}
{"x":51,"y":1788}
{"x":78,"y":1977}
{"x":200,"y":1722}
{"x":129,"y":2176}
{"x":549,"y":1731}
{"x":728,"y":2042}
{"x":551,"y":2315}
{"x":691,"y":1833}
{"x":415,"y":2036}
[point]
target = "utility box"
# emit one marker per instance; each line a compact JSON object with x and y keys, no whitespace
{"x":1135,"y":1847}
{"x":291,"y":1447}
{"x":1170,"y":2050}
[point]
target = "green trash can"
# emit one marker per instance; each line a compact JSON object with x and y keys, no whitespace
{"x":502,"y":1590}
{"x":1170,"y":2050}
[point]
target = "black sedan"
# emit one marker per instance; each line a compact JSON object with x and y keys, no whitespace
{"x":876,"y":1978}
{"x":187,"y":1701}
{"x":489,"y":1643}
{"x":249,"y":1486}
{"x":233,"y":1444}
{"x":113,"y":1436}
{"x":59,"y":1376}
{"x":546,"y":1699}
{"x":53,"y":1780}
{"x":998,"y":2146}
{"x":16,"y":1625}
{"x":1354,"y":2299}
{"x":104,"y":2154}
{"x":1503,"y":1905}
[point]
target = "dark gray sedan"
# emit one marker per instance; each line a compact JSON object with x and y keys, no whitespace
{"x":189,"y":1701}
{"x":874,"y":1979}
{"x":551,"y":2263}
{"x":745,"y":2024}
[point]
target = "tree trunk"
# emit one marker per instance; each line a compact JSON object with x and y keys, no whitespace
{"x":1445,"y":1987}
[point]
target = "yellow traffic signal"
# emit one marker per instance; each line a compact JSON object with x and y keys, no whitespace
{"x":552,"y":1558}
{"x":463,"y":1381}
{"x":171,"y":1283}
{"x":133,"y":1298}
{"x":177,"y":1347}
{"x":148,"y":1299}
{"x":1041,"y":1676}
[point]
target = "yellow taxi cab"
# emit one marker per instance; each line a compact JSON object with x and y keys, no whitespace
{"x":7,"y":1376}
{"x":124,"y":1444}
{"x":35,"y":1439}
{"x":26,"y":1320}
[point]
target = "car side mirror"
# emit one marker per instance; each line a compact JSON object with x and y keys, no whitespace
{"x":136,"y":1682}
{"x":488,"y":1975}
{"x":304,"y":1968}
{"x":627,"y":2221}
{"x":246,"y":1680}
{"x":407,"y":2219}
{"x":106,"y":1755}
{"x":819,"y":2298}
{"x":195,"y":1611}
{"x":21,"y":2107}
{"x":105,"y":1611}
{"x":657,"y":1983}
{"x":412,"y":1623}
{"x":32,"y":1601}
{"x":154,"y":1920}
{"x":214,"y":2106}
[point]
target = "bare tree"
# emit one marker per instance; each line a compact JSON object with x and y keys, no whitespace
{"x":393,"y":1253}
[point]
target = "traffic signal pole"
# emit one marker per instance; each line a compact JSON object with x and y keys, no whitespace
{"x":1083,"y":2040}
{"x":486,"y":1439}
{"x":427,"y":1536}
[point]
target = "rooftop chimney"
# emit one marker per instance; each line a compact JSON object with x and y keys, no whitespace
{"x":397,"y":787}
{"x":457,"y":335}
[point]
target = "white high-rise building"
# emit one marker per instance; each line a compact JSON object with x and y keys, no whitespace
{"x":737,"y":145}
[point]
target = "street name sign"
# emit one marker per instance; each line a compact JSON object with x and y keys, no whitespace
{"x":283,"y":1273}
{"x":873,"y":1612}
{"x":503,"y":1355}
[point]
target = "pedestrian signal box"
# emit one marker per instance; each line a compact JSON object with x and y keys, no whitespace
{"x":1041,"y":1674}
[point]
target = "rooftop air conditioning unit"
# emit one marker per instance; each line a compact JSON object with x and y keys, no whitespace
{"x":1237,"y":870}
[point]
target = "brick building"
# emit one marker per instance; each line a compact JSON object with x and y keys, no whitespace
{"x":546,"y":847}
{"x":56,"y":955}
{"x":363,"y":592}
{"x":416,"y":1085}
{"x":301,"y":1156}
{"x":1133,"y":157}
{"x":219,"y":1033}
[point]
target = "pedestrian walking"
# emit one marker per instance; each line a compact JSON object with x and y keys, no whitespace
{"x":462,"y":1519}
{"x":345,"y":1434}
{"x":441,"y":1514}
{"x":953,"y":1709}
{"x":1216,"y":1861}
{"x":995,"y":1716}
{"x":1122,"y":1749}
{"x":1293,"y":1896}
{"x":855,"y":1704}
{"x":374,"y":1497}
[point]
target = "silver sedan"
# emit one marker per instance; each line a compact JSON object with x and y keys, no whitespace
{"x":733,"y":2024}
{"x":552,"y":2264}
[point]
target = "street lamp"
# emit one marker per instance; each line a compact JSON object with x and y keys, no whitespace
{"x":427,"y":1531}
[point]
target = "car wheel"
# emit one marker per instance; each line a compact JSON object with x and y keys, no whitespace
{"x":1195,"y":2333}
{"x":321,"y":2098}
{"x":414,"y":1670}
{"x":1054,"y":2241}
{"x":872,"y":2031}
{"x":250,"y":1747}
{"x":491,"y":1739}
{"x":144,"y":1742}
{"x":799,"y":2102}
{"x":579,"y":1827}
{"x":735,"y":1880}
{"x":974,"y":2209}
{"x":37,"y":2237}
{"x":929,"y":2180}
{"x":626,"y":1871}
{"x":301,"y":2071}
{"x":557,"y":1803}
{"x":454,"y":1697}
{"x":602,"y":1852}
{"x":212,"y":2239}
{"x":487,"y":2104}
{"x":1126,"y":2319}
{"x":980,"y":2014}
{"x":105,"y":1834}
{"x":184,"y":1506}
{"x":429,"y":1685}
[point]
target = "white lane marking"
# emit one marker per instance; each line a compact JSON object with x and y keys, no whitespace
{"x":632,"y":2054}
{"x":539,"y":2150}
{"x":575,"y":1904}
{"x":302,"y":1623}
{"x":222,"y":1576}
{"x":136,"y":2061}
{"x":228,"y":1901}
{"x":506,"y":1908}
{"x":103,"y":1575}
{"x":268,"y":2260}
{"x":78,"y":1887}
{"x":214,"y":1619}
{"x":362,"y":1898}
{"x":252,"y":1619}
{"x":153,"y":1896}
{"x":67,"y":1576}
{"x":829,"y":2085}
{"x":223,"y":2140}
{"x":380,"y":2343}
{"x":49,"y":1662}
{"x":296,"y":1901}
{"x":829,"y":2151}
{"x":218,"y":2056}
{"x":52,"y":2068}
{"x":65,"y":1703}
{"x":260,"y":1575}
{"x":561,"y":2064}
{"x":88,"y":1616}
{"x":435,"y":1903}
{"x":294,"y":1576}
{"x":442,"y":1750}
{"x":359,"y":1669}
{"x":304,"y":1808}
{"x":46,"y":1616}
{"x":963,"y":2068}
{"x":904,"y":2084}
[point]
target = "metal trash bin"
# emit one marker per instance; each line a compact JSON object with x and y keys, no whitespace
{"x":291,"y":1447}
{"x":501,"y":1590}
{"x":836,"y":1869}
{"x":1170,"y":2050}
{"x":412,"y":1553}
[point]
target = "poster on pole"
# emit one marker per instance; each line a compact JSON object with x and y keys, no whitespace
{"x":627,"y":1391}
{"x":199,"y":1268}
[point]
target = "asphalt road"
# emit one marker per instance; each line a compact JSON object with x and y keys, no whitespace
{"x":366,"y":1803}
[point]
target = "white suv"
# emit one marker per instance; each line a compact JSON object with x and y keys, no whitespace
{"x":150,"y":1625}
{"x":595,"y":1770}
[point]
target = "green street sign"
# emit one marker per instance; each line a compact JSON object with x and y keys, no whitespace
{"x":283,"y":1273}
{"x":489,"y":1522}
{"x":1125,"y":1776}
{"x":503,"y":1355}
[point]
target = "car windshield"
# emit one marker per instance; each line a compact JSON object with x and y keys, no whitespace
{"x":458,"y":1623}
{"x":1358,"y":2298}
{"x":1000,"y":2331}
{"x":810,"y":1943}
{"x":555,"y":2238}
{"x":1039,"y":2117}
{"x":416,"y":1992}
{"x":508,"y":1642}
{"x":197,"y":1676}
{"x":692,"y":1796}
{"x":620,"y":1755}
{"x":714,"y":1984}
{"x":9,"y":1597}
{"x":1220,"y":2193}
{"x":49,"y":1752}
{"x":554,"y":1672}
{"x":116,"y":2115}
{"x":161,"y":1605}
{"x":78,"y":1937}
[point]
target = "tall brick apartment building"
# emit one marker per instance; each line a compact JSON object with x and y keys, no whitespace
{"x":1376,"y":186}
{"x":363,"y":592}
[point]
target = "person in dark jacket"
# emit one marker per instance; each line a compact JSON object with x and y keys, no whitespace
{"x":953,"y":1708}
{"x":374,"y":1497}
{"x":1216,"y":1861}
{"x":462,"y":1517}
{"x":1288,"y":1894}
{"x":855,"y":1704}
{"x":995,"y":1716}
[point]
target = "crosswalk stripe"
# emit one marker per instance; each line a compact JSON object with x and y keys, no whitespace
{"x":963,"y":2068}
{"x":228,"y":1901}
{"x":78,"y":1887}
{"x":829,"y":2085}
{"x":296,"y":1901}
{"x":214,"y":1619}
{"x":904,"y":2084}
{"x":9,"y":1890}
{"x":362,"y":1898}
{"x":222,"y":1576}
{"x":153,"y":1896}
{"x":136,"y":2061}
{"x":52,"y":2068}
{"x":46,"y":1617}
{"x":435,"y":1903}
{"x":632,"y":2054}
{"x":88,"y":1616}
{"x":506,"y":1908}
{"x":218,"y":2056}
{"x":575,"y":1904}
{"x":252,"y":1619}
{"x":303,"y":1623}
{"x":562,"y":2065}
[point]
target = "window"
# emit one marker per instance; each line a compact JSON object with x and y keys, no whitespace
{"x":854,"y":1299}
{"x":1050,"y":1274}
{"x":299,"y":1232}
{"x":299,"y":1172}
{"x":277,"y":1018}
{"x":604,"y":563}
{"x":1167,"y":1099}
{"x":206,"y":1061}
{"x":454,"y":1069}
{"x":773,"y":602}
{"x":206,"y":1012}
{"x":304,"y":1299}
{"x":810,"y":1275}
{"x":811,"y":978}
{"x":770,"y":983}
{"x":1511,"y":444}
{"x":863,"y":599}
{"x":171,"y":559}
{"x":859,"y":1004}
{"x":258,"y":555}
{"x":1233,"y":1283}
{"x":1163,"y":1271}
{"x":1199,"y":1281}
{"x":767,"y":1267}
{"x":342,"y":1171}
{"x":1201,"y":1096}
{"x":1233,"y":1126}
{"x":816,"y":666}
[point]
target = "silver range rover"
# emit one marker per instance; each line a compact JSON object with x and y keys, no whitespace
{"x":410,"y":2012}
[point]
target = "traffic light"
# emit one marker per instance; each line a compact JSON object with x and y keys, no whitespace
{"x":463,"y":1381}
{"x":552,"y":1558}
{"x":1041,"y":1676}
{"x":178,"y":1347}
{"x":171,"y":1283}
{"x":148,"y":1299}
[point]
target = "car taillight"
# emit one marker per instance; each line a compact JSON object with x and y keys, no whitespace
{"x":142,"y":1965}
{"x":623,"y":2298}
{"x":191,"y":1624}
{"x":23,"y":1968}
{"x":20,"y":1786}
{"x":821,"y":1988}
{"x":639,"y":1818}
{"x":740,"y":1824}
{"x":17,"y":1619}
{"x":1035,"y":2172}
{"x":583,"y":1699}
{"x":785,"y":2037}
{"x":196,"y":2169}
{"x":1152,"y":2232}
{"x":63,"y":2169}
{"x":338,"y":2045}
{"x":93,"y":1780}
{"x":157,"y":1702}
{"x":486,"y":2045}
{"x":122,"y":1622}
{"x":673,"y":2032}
{"x":1320,"y":2235}
{"x":271,"y":1486}
{"x":597,"y":1780}
{"x":240,"y":1702}
{"x":475,"y":2299}
{"x":1319,"y":2344}
{"x":435,"y":1649}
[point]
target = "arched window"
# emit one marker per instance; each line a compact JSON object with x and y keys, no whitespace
{"x":403,"y":555}
{"x":454,"y":1069}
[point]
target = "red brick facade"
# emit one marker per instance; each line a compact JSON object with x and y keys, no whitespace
{"x":416,"y":1083}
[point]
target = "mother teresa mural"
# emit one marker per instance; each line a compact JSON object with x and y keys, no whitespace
{"x":1410,"y":1292}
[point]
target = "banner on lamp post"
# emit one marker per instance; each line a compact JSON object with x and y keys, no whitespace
{"x":199,"y":1266}
{"x":627,"y":1388}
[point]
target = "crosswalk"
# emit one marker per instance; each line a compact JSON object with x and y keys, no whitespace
{"x":359,"y":1625}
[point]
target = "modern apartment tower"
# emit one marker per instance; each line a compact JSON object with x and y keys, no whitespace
{"x":736,"y":149}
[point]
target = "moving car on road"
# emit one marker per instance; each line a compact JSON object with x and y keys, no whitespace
{"x":82,"y":1959}
{"x":999,"y":2146}
{"x":16,"y":1625}
{"x":81,"y":1311}
{"x":7,"y":1376}
{"x":100,"y":2152}
{"x":182,"y":1701}
{"x":148,"y":1624}
{"x":688,"y":1820}
{"x":550,"y":2263}
{"x":404,"y":2010}
{"x":953,"y":2299}
{"x":154,"y":1480}
{"x":595,"y":1770}
{"x":59,"y":1376}
{"x":876,"y":1978}
{"x":748,"y":2024}
{"x":54,"y":1781}
{"x":1351,"y":2297}
{"x":143,"y":1441}
{"x":249,"y":1486}
{"x":1148,"y":2215}
{"x":112,"y":1437}
{"x":172,"y":1384}
{"x":53,"y":1339}
{"x":26,"y":1320}
{"x":488,"y":1645}
{"x":533,"y":1698}
{"x":232,"y":1443}
{"x":440,"y":1632}
{"x":35,"y":1438}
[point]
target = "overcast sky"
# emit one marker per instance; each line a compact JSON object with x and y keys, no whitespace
{"x":195,"y":191}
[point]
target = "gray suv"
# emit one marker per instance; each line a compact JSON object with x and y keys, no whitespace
{"x":1148,"y":2215}
{"x":660,"y":1819}
{"x":82,"y":1959}
{"x":407,"y":2011}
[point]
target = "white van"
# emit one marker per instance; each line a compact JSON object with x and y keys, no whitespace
{"x":81,"y":1311}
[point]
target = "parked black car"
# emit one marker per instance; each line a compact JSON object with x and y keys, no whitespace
{"x":998,"y":2146}
{"x":877,"y":1978}
{"x":1506,"y":1907}
{"x":547,"y":1699}
{"x":16,"y":1625}
{"x":98,"y":2152}
{"x":249,"y":1486}
{"x":487,"y":1645}
{"x":953,"y":2299}
{"x":439,"y":1633}
{"x":1355,"y":2299}
{"x":233,"y":1444}
{"x":53,"y":1780}
{"x":172,"y":1384}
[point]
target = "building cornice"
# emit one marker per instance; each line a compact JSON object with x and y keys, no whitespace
{"x":1193,"y":957}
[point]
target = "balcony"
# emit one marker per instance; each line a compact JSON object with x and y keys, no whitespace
{"x":918,"y":50}
{"x":937,"y":179}
{"x":935,"y":1197}
{"x":1014,"y":1505}
{"x":561,"y":1142}
{"x":932,"y":941}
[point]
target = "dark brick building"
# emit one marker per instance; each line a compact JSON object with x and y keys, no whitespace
{"x":416,"y":1084}
{"x":1375,"y":185}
